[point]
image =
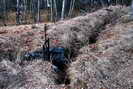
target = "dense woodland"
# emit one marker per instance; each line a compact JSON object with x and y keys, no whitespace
{"x":34,"y":11}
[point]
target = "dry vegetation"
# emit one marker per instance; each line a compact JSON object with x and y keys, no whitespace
{"x":101,"y":43}
{"x":107,"y":64}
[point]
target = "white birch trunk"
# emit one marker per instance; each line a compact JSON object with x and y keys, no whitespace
{"x":48,"y":5}
{"x":63,"y":9}
{"x":51,"y":10}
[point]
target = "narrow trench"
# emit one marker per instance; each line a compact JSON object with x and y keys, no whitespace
{"x":62,"y":74}
{"x":63,"y":78}
{"x":92,"y":40}
{"x":94,"y":36}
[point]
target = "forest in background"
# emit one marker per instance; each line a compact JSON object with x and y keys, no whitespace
{"x":36,"y":11}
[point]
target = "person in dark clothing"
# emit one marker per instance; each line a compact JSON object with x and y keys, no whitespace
{"x":57,"y":57}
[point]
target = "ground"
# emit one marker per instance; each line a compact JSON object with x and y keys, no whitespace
{"x":101,"y":43}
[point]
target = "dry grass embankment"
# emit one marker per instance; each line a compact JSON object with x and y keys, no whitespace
{"x":107,"y":64}
{"x":72,"y":34}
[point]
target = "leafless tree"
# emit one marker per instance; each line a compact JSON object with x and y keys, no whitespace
{"x":51,"y":7}
{"x":63,"y":9}
{"x":4,"y":11}
{"x":55,"y":10}
{"x":71,"y":7}
{"x":38,"y":16}
{"x":132,"y":8}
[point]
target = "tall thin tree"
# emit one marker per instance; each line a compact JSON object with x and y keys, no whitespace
{"x":63,"y":9}
{"x":51,"y":8}
{"x":55,"y":10}
{"x":72,"y":5}
{"x":38,"y":13}
{"x":4,"y":12}
{"x":132,"y":8}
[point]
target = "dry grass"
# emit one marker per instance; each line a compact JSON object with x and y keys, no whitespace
{"x":75,"y":33}
{"x":10,"y":75}
{"x":10,"y":48}
{"x":110,"y":66}
{"x":95,"y":65}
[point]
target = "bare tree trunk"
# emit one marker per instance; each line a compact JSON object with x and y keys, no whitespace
{"x":51,"y":1}
{"x":71,"y":7}
{"x":117,"y":2}
{"x":4,"y":12}
{"x":21,"y":11}
{"x":102,"y":2}
{"x":34,"y":10}
{"x":17,"y":13}
{"x":38,"y":15}
{"x":71,"y":3}
{"x":55,"y":10}
{"x":63,"y":9}
{"x":48,"y":5}
{"x":25,"y":11}
{"x":132,"y":8}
